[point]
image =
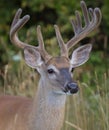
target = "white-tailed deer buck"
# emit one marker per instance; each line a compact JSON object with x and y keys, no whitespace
{"x":46,"y":110}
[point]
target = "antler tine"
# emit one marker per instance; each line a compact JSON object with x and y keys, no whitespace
{"x":41,"y":47}
{"x":17,"y":24}
{"x":64,"y":51}
{"x":90,"y":25}
{"x":98,"y":16}
{"x":16,"y":17}
{"x":85,"y":13}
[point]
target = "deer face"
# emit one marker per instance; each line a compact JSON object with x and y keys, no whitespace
{"x":57,"y":70}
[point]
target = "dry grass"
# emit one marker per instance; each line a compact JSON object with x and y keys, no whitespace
{"x":89,"y":112}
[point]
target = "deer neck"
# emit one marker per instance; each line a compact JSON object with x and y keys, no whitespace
{"x":48,"y":109}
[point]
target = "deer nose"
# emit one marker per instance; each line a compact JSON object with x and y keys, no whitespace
{"x":72,"y":88}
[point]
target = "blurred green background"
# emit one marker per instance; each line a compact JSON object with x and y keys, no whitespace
{"x":89,"y":109}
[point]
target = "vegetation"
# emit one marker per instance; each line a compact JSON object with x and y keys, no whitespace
{"x":87,"y":110}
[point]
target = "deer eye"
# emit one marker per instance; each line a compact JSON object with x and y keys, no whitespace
{"x":50,"y":71}
{"x":72,"y":70}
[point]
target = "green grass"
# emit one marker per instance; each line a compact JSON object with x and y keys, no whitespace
{"x":86,"y":110}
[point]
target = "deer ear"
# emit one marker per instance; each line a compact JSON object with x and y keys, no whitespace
{"x":32,"y":57}
{"x":81,"y":55}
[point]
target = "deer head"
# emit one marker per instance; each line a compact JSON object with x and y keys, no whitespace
{"x":57,"y":70}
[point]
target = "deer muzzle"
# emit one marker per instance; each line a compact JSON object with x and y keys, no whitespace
{"x":71,"y":88}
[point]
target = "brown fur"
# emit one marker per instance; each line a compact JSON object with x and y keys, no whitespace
{"x":14,"y":112}
{"x":59,"y":62}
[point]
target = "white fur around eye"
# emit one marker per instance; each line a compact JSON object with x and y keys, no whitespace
{"x":54,"y":68}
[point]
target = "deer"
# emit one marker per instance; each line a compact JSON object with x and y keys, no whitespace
{"x":46,"y":110}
